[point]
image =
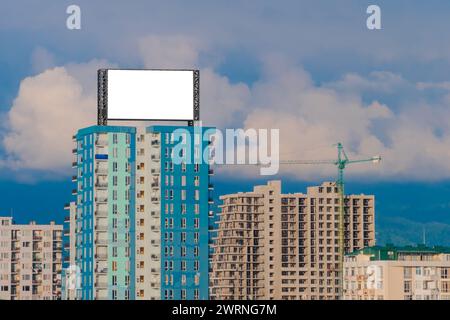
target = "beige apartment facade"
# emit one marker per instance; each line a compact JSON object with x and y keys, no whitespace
{"x":397,"y":273}
{"x":270,"y":245}
{"x":30,"y":261}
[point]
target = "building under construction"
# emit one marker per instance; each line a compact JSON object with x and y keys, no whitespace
{"x":270,"y":245}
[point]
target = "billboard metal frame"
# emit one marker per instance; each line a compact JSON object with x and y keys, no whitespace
{"x":102,"y":97}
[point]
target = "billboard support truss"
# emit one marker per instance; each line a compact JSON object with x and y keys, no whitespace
{"x":102,"y":97}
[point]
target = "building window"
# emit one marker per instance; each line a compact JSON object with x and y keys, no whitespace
{"x":407,"y":286}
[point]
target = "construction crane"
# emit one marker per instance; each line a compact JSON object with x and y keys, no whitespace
{"x":341,"y":163}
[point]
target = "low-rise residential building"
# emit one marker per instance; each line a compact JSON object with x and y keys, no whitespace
{"x":30,"y":260}
{"x":397,"y":273}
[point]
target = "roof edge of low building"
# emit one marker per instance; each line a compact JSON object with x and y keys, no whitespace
{"x":390,"y":251}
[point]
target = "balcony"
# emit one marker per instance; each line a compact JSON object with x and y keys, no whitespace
{"x":155,"y":270}
{"x":67,"y":219}
{"x":101,"y":242}
{"x":101,"y":142}
{"x":155,"y":257}
{"x":101,"y":171}
{"x":102,"y":295}
{"x":74,"y":178}
{"x":101,"y":228}
{"x":101,"y":284}
{"x":101,"y":256}
{"x":155,"y":171}
{"x":74,"y":192}
{"x":101,"y":270}
{"x":211,"y":172}
{"x":101,"y":199}
{"x":15,"y":270}
{"x":155,"y":157}
{"x":67,"y":206}
{"x":37,"y":248}
{"x":155,"y":228}
{"x":155,"y":185}
{"x":101,"y":185}
{"x":210,"y":186}
{"x":155,"y":242}
{"x":155,"y":199}
{"x":74,"y":164}
{"x":155,"y":214}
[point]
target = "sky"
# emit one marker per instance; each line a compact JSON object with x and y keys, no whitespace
{"x":311,"y":69}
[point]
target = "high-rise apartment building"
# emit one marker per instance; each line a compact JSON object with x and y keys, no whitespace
{"x":397,"y":273}
{"x":270,"y":245}
{"x":30,"y":261}
{"x":141,"y":221}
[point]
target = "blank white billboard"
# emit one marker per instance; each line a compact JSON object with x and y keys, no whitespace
{"x":150,"y":94}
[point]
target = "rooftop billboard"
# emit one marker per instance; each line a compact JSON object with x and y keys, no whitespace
{"x":148,"y":94}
